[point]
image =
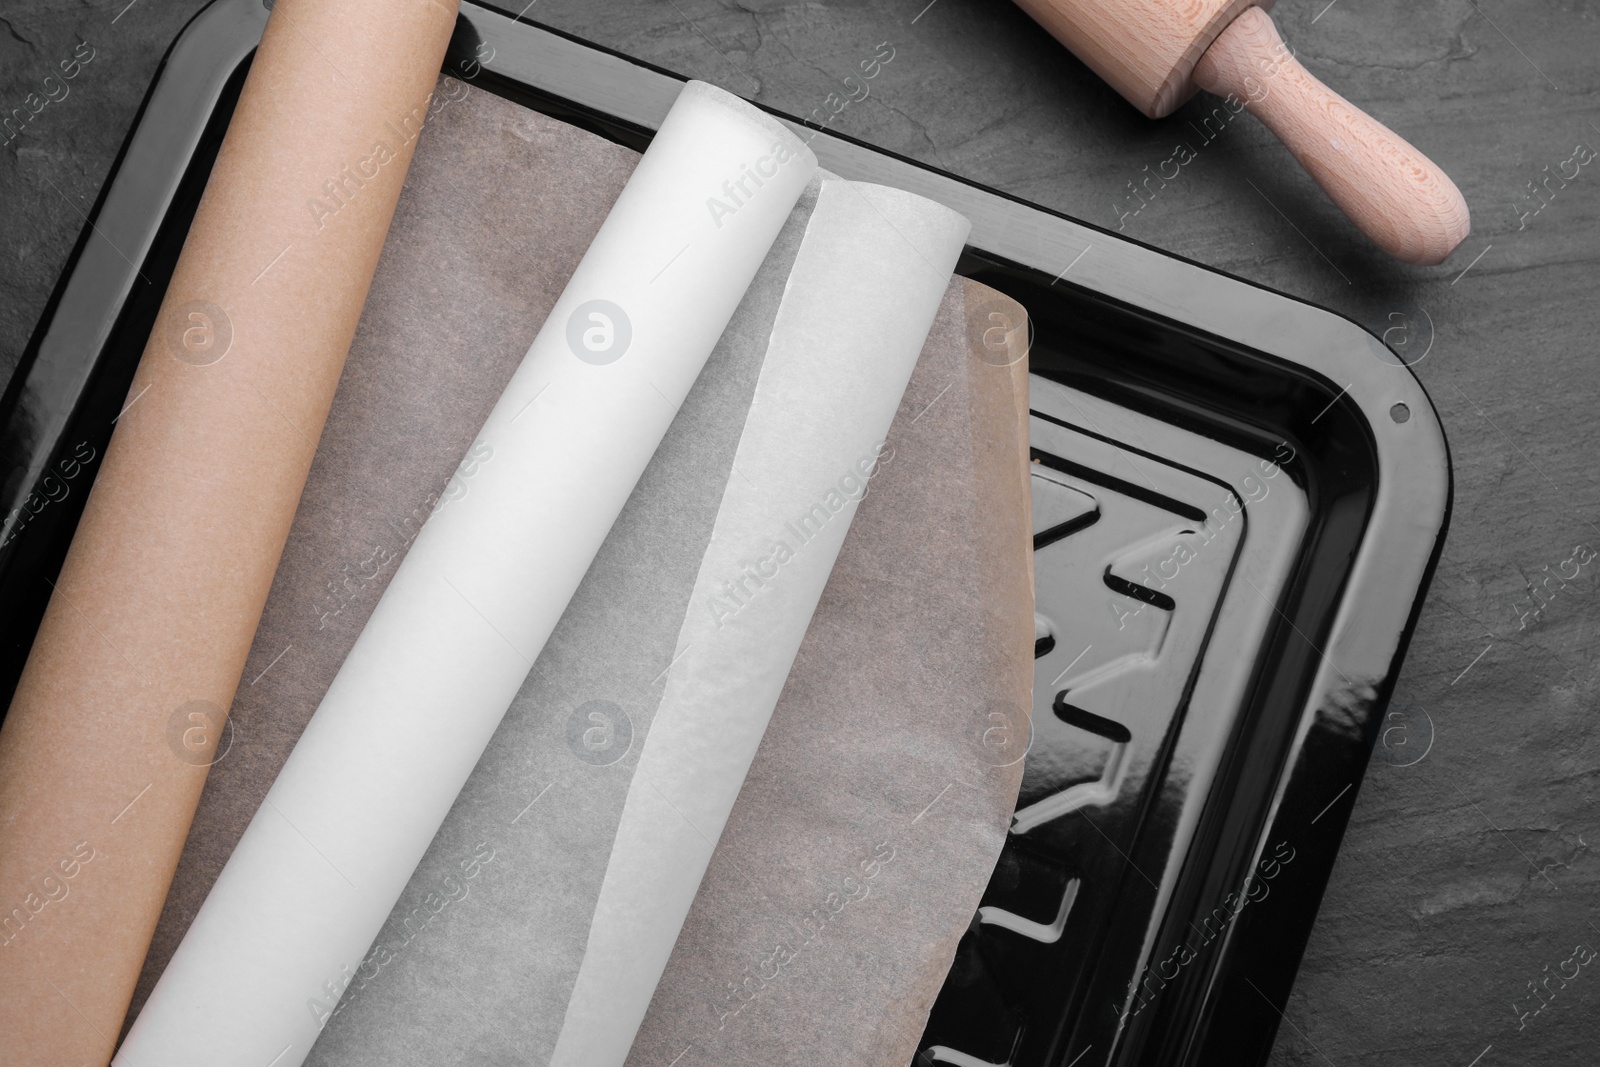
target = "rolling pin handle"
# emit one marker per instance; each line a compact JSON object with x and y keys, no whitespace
{"x":1396,"y":195}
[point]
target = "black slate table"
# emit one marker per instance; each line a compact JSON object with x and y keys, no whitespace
{"x":1468,"y":876}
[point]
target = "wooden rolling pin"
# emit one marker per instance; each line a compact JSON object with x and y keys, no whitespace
{"x":1157,"y":53}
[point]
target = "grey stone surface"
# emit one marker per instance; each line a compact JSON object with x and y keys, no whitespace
{"x":1465,"y":875}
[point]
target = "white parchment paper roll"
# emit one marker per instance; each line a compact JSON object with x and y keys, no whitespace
{"x":863,"y":291}
{"x":469,"y":609}
{"x":480,"y":956}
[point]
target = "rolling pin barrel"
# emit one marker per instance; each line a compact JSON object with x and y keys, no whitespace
{"x":1145,"y":49}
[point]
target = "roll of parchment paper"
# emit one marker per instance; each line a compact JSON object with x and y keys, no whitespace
{"x":872,"y":817}
{"x":469,"y":609}
{"x":104,"y":748}
{"x":734,"y":526}
{"x":498,"y":209}
{"x":856,"y":308}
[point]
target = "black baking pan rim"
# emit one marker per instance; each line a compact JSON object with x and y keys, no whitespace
{"x":1395,"y":483}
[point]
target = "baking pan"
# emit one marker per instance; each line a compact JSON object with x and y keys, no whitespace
{"x":1239,"y":499}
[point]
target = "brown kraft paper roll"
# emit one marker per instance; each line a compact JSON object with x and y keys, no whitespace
{"x":104,"y":750}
